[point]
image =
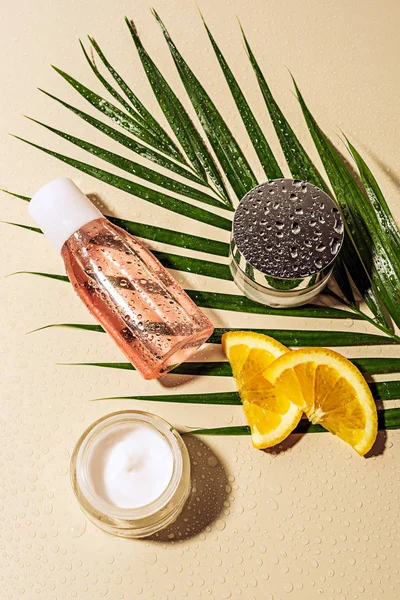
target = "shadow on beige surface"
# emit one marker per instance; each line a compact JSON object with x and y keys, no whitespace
{"x":210,"y":491}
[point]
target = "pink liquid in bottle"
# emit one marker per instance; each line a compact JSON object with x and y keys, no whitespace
{"x":149,"y":316}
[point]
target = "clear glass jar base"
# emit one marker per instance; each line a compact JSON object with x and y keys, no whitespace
{"x":278,"y":299}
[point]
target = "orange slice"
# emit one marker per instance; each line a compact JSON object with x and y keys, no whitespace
{"x":270,"y":415}
{"x":330,"y":390}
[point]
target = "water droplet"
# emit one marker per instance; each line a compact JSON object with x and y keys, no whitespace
{"x":150,"y":558}
{"x":212,"y":461}
{"x":288,"y":587}
{"x":77,"y":529}
{"x":296,"y":228}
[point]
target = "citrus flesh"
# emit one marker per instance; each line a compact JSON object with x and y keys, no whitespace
{"x":330,"y":390}
{"x":271,"y":416}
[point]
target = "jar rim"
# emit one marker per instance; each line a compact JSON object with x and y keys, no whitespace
{"x":80,"y":475}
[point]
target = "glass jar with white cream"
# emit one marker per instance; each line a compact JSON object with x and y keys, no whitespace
{"x":130,"y":472}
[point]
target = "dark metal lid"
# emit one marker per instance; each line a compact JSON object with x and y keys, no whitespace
{"x":286,"y":229}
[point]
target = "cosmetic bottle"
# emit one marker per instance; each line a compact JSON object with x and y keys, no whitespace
{"x":133,"y":297}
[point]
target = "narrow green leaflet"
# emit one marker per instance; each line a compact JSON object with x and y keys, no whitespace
{"x":153,"y":196}
{"x":179,"y":120}
{"x":320,"y":339}
{"x":368,"y":366}
{"x":119,"y":117}
{"x":130,"y":143}
{"x":225,"y":146}
{"x":156,"y":234}
{"x":342,"y":279}
{"x":377,"y":366}
{"x":378,"y":202}
{"x":298,"y":161}
{"x":389,"y":390}
{"x":285,"y":336}
{"x":224,"y":398}
{"x":112,"y":91}
{"x":220,"y":301}
{"x":137,"y":169}
{"x":387,"y":419}
{"x":256,"y":135}
{"x":385,"y":390}
{"x":26,"y":198}
{"x":28,"y":227}
{"x":301,"y":166}
{"x":174,"y":238}
{"x":377,"y":257}
{"x":193,"y":265}
{"x":147,"y":117}
{"x":239,"y":303}
{"x":80,"y":326}
{"x":210,"y":369}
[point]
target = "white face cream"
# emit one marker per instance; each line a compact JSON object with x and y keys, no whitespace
{"x":131,"y":466}
{"x":130,"y":472}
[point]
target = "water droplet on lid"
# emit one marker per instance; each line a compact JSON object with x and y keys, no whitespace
{"x":320,"y":247}
{"x":293,"y":252}
{"x":280,"y":225}
{"x":293,"y":197}
{"x":335,"y":245}
{"x":296,"y":228}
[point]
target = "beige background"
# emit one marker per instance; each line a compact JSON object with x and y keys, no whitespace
{"x":313,"y":521}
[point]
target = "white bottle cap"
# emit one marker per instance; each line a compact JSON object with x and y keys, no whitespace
{"x":60,"y":209}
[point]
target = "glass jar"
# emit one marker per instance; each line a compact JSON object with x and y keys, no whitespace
{"x":144,"y":520}
{"x":286,"y":236}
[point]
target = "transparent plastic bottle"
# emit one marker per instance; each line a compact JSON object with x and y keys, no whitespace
{"x":147,"y":313}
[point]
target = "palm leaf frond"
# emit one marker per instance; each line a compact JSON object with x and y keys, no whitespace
{"x":368,"y":366}
{"x":140,"y":191}
{"x":129,"y":142}
{"x":380,"y":206}
{"x":119,"y":117}
{"x":387,"y":419}
{"x":377,"y":257}
{"x":225,"y":146}
{"x":295,"y":339}
{"x":135,"y":107}
{"x":219,"y":300}
{"x":179,"y":120}
{"x":137,"y":169}
{"x":256,"y":135}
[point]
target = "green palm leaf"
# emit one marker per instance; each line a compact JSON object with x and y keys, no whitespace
{"x":135,"y":107}
{"x":256,"y":135}
{"x":377,"y":257}
{"x":153,"y":233}
{"x":226,"y":148}
{"x":300,"y":165}
{"x":129,"y":142}
{"x":387,"y":419}
{"x":368,"y":366}
{"x":221,"y":301}
{"x":179,"y":120}
{"x":119,"y":117}
{"x":287,"y":337}
{"x":382,"y":211}
{"x":137,"y":169}
{"x":136,"y":189}
{"x":173,"y":238}
{"x":368,"y":217}
{"x":388,"y":390}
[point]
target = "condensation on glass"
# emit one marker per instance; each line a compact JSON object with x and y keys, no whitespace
{"x":286,"y":236}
